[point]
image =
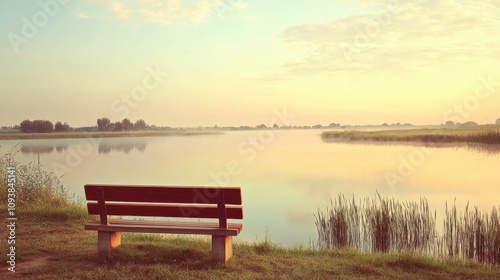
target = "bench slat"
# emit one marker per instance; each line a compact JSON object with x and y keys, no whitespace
{"x":168,"y":194}
{"x":165,"y":210}
{"x":165,"y":227}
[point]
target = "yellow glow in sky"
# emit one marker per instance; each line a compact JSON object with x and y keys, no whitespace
{"x":192,"y":63}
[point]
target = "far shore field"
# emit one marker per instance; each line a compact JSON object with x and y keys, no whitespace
{"x":97,"y":134}
{"x":483,"y":134}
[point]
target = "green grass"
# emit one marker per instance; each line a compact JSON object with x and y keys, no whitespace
{"x":107,"y":134}
{"x":55,"y":246}
{"x":483,"y":134}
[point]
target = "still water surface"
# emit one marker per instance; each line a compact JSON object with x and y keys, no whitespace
{"x":285,"y":176}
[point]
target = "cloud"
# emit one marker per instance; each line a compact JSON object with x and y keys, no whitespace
{"x":198,"y":12}
{"x":120,"y":10}
{"x":240,"y":6}
{"x":400,"y":37}
{"x":81,"y":14}
{"x":170,"y":11}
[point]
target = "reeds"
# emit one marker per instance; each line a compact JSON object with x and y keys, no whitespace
{"x":33,"y":184}
{"x":339,"y":227}
{"x":489,"y":137}
{"x":387,"y":225}
{"x":378,"y":225}
{"x":471,"y":235}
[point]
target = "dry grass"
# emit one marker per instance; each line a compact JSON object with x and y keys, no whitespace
{"x":34,"y":186}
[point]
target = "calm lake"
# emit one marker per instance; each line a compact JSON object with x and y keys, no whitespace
{"x":285,"y":176}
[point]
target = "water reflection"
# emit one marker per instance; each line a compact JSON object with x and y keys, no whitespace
{"x":103,"y":148}
{"x":106,"y":148}
{"x":488,"y":149}
{"x":491,"y":150}
{"x":42,"y":149}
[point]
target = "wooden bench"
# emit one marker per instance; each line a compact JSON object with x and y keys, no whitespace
{"x":165,"y":201}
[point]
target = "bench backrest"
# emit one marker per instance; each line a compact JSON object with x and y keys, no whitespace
{"x":164,"y":201}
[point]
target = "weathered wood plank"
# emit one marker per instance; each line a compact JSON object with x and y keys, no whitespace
{"x":166,"y":210}
{"x":165,"y":227}
{"x":168,"y":194}
{"x":222,"y":210}
{"x":101,"y":206}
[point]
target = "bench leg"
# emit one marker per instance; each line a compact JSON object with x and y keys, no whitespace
{"x":222,"y":248}
{"x":107,"y":241}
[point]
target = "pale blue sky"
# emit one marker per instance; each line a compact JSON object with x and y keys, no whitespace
{"x":233,"y":62}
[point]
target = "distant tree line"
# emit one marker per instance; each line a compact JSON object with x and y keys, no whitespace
{"x":105,"y":124}
{"x":42,"y":126}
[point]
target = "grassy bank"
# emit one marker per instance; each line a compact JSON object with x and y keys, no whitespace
{"x":107,"y":134}
{"x":53,"y":245}
{"x":483,"y":134}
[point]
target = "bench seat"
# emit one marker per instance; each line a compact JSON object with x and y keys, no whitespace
{"x":165,"y":227}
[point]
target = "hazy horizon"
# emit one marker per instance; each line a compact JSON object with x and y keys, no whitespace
{"x":181,"y":63}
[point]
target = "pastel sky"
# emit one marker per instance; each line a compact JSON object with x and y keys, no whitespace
{"x":235,"y":62}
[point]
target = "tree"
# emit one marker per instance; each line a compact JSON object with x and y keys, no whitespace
{"x":140,"y":125}
{"x":36,"y":126}
{"x":470,"y":123}
{"x":66,"y":127}
{"x":498,"y":122}
{"x":43,"y":126}
{"x":449,"y":123}
{"x":103,"y":124}
{"x":59,"y":126}
{"x":27,"y":126}
{"x":127,"y":124}
{"x":118,"y":126}
{"x":262,"y":126}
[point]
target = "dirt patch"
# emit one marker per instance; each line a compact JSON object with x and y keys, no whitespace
{"x":33,"y":263}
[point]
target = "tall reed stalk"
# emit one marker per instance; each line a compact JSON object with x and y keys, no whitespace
{"x":383,"y":225}
{"x":472,"y":235}
{"x":339,"y":227}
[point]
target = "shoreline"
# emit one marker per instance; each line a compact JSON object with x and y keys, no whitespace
{"x":482,"y":134}
{"x":96,"y":134}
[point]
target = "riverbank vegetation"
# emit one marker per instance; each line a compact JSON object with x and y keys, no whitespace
{"x":387,"y":225}
{"x":483,"y":134}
